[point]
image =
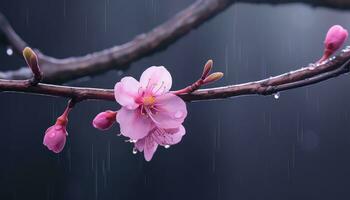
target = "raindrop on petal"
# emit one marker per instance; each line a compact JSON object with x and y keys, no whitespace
{"x":277,"y":95}
{"x":167,"y":146}
{"x":178,"y":114}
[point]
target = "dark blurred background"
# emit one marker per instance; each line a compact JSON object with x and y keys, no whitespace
{"x":294,"y":147}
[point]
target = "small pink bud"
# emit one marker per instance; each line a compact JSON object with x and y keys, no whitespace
{"x":213,"y":77}
{"x":55,"y":137}
{"x":104,"y":120}
{"x":207,"y":67}
{"x":335,"y":38}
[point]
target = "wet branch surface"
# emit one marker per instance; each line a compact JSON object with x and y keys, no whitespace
{"x":120,"y":57}
{"x":302,"y":77}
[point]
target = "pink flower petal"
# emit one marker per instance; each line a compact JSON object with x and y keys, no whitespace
{"x":150,"y":148}
{"x":126,"y":92}
{"x":168,"y":136}
{"x":156,"y":80}
{"x":55,"y":138}
{"x":133,"y":124}
{"x":140,"y":144}
{"x":171,"y":111}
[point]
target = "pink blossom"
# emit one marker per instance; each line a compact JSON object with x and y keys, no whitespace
{"x":159,"y":136}
{"x":55,"y":137}
{"x":147,"y":104}
{"x":104,"y":120}
{"x":335,"y":38}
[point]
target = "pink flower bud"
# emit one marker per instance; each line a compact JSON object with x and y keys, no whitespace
{"x":55,"y":137}
{"x":207,"y":67}
{"x":104,"y":120}
{"x":213,"y":77}
{"x":335,"y":38}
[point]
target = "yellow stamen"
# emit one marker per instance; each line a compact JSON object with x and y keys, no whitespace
{"x":148,"y":100}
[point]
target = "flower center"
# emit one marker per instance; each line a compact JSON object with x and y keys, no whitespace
{"x":148,"y":100}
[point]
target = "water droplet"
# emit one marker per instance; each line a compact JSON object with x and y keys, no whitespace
{"x":167,"y":146}
{"x":277,"y":95}
{"x":9,"y":51}
{"x":347,"y":49}
{"x":134,"y":150}
{"x":331,"y":58}
{"x":312,"y":66}
{"x":131,"y":141}
{"x":178,"y":114}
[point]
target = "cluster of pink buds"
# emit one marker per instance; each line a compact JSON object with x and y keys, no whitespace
{"x":335,"y":38}
{"x":205,"y":78}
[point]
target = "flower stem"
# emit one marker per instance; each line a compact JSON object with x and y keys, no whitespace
{"x":63,"y":119}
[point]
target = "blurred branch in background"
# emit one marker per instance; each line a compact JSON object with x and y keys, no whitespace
{"x":119,"y":57}
{"x":9,"y":37}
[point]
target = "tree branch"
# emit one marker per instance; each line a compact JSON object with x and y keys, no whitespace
{"x":119,"y":57}
{"x":305,"y":76}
